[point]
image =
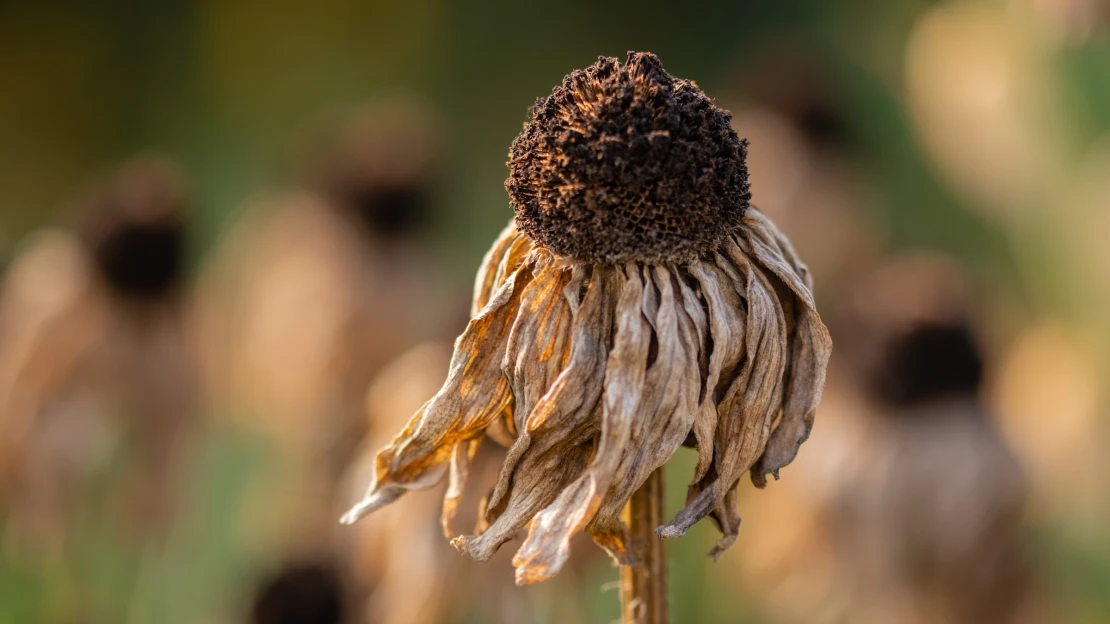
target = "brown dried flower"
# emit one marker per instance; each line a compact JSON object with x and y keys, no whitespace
{"x":636,"y":301}
{"x":95,"y":355}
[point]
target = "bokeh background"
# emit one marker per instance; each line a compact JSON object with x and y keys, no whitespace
{"x":182,"y":420}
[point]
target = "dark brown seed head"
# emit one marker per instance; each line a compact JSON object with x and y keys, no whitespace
{"x":301,"y":593}
{"x":625,"y":162}
{"x":929,"y":362}
{"x":379,"y":165}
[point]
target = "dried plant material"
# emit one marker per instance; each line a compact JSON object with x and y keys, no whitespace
{"x":923,"y":547}
{"x":630,"y":150}
{"x":95,"y":354}
{"x":400,"y":561}
{"x":599,"y":370}
{"x":604,"y":419}
{"x":877,"y":530}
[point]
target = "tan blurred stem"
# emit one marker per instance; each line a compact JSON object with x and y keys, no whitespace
{"x":644,"y":585}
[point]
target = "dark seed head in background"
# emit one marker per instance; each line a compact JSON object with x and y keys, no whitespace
{"x":931,"y":361}
{"x":135,"y":229}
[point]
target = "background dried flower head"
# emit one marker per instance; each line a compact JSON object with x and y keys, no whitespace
{"x":316,"y":288}
{"x":96,"y":366}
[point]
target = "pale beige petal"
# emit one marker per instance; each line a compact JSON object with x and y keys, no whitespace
{"x":458,"y":472}
{"x":547,"y":545}
{"x":727,"y":520}
{"x":727,"y":325}
{"x":752,"y":400}
{"x":759,"y":225}
{"x":810,"y":346}
{"x":539,"y":478}
{"x":596,"y":374}
{"x":537,"y":346}
{"x":667,"y":408}
{"x":590,"y":330}
{"x":519,"y":248}
{"x":485,"y":283}
{"x":557,"y":438}
{"x":474,"y":394}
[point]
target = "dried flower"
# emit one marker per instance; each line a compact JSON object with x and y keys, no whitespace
{"x":637,"y":301}
{"x":95,"y":354}
{"x":880,"y":532}
{"x":398,"y":562}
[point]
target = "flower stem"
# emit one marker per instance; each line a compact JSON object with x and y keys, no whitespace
{"x":644,"y":585}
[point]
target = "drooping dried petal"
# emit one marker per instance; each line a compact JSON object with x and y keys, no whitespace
{"x":668,"y":408}
{"x":537,"y":345}
{"x":784,"y":334}
{"x":502,"y":257}
{"x":810,"y":348}
{"x":475,"y":393}
{"x":639,"y":307}
{"x":458,"y":472}
{"x":555,"y":441}
{"x":752,"y":399}
{"x":547,"y":545}
{"x":727,"y":327}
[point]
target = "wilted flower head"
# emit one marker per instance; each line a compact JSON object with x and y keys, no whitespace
{"x":636,"y":301}
{"x":96,"y":368}
{"x":890,"y":508}
{"x":379,"y":165}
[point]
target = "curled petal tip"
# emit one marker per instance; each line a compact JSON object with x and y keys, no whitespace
{"x":369,"y":505}
{"x":530,"y":575}
{"x":474,"y":547}
{"x":721,"y":546}
{"x":374,"y":501}
{"x":355,"y":513}
{"x":669,"y":532}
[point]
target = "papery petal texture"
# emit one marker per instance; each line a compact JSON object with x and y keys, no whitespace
{"x":595,"y":374}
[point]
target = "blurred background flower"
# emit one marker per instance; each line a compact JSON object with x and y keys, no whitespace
{"x":181,"y":454}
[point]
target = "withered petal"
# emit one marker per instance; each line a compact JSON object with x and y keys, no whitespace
{"x":458,"y":472}
{"x":752,"y":400}
{"x":537,"y":343}
{"x":667,"y":408}
{"x":810,"y":348}
{"x":727,"y":323}
{"x":548,"y":543}
{"x":486,"y":282}
{"x":555,"y":442}
{"x":475,"y":393}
